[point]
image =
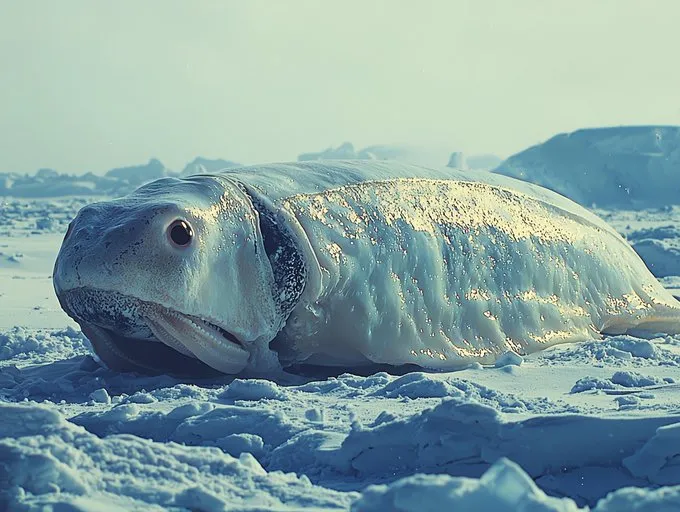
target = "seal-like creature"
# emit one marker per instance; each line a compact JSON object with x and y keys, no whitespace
{"x":346,"y":264}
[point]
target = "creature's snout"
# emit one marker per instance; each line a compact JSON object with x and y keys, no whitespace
{"x":116,"y":247}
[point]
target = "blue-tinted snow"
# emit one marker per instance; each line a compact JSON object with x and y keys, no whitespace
{"x":71,"y":430}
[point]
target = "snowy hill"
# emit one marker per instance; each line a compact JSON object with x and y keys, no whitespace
{"x":632,"y":166}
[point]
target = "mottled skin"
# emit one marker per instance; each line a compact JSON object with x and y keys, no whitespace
{"x":348,"y":263}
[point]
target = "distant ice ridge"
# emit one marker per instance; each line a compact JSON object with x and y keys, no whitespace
{"x":200,"y":165}
{"x":116,"y":182}
{"x":405,"y":153}
{"x":628,"y":166}
{"x":136,"y":175}
{"x":50,"y":183}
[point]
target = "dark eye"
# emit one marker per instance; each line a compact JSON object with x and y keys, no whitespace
{"x":180,"y":233}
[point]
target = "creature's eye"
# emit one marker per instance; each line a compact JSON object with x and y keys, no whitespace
{"x":180,"y":233}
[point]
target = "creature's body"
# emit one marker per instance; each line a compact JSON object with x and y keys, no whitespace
{"x":347,"y":263}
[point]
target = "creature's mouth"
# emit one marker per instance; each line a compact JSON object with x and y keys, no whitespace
{"x":198,"y":338}
{"x":129,"y":334}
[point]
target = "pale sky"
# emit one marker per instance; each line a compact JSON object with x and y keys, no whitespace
{"x":90,"y":85}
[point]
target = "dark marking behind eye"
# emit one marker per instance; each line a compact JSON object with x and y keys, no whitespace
{"x":284,"y":256}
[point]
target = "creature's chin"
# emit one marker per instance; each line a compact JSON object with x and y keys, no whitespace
{"x":175,"y":343}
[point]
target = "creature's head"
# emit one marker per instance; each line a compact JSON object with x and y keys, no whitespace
{"x":178,"y":275}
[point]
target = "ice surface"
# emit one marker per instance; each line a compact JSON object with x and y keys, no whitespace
{"x":75,"y":436}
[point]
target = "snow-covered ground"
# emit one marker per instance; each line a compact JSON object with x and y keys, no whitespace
{"x":593,"y":424}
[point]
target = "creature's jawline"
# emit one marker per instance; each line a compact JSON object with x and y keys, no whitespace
{"x":197,"y":347}
{"x":195,"y":337}
{"x":149,"y":357}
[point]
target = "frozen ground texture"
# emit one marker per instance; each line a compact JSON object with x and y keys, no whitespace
{"x":595,"y":424}
{"x":623,"y":167}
